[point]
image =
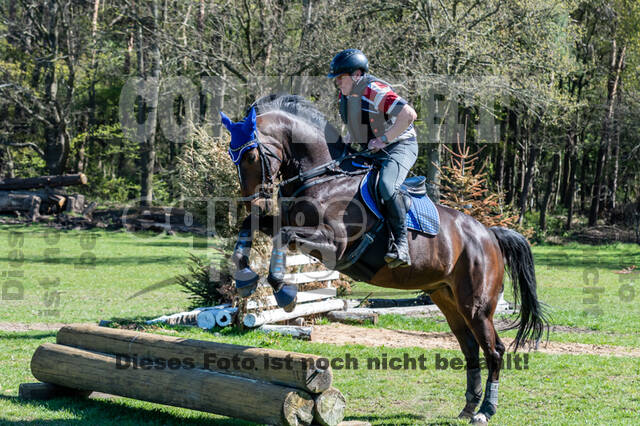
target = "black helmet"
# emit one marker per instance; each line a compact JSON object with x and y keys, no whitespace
{"x":348,"y":61}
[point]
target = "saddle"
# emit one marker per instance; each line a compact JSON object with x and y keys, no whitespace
{"x":367,"y":257}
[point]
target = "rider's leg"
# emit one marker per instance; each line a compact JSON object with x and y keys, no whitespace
{"x":398,"y":159}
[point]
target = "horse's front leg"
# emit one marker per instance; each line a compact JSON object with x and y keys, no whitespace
{"x":307,"y":239}
{"x":246,"y":278}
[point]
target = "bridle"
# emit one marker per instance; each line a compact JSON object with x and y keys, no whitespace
{"x":267,"y":182}
{"x":266,"y":154}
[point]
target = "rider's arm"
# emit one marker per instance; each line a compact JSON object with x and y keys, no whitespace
{"x":405,"y":117}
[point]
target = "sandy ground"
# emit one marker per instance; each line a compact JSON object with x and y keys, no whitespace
{"x":342,"y":334}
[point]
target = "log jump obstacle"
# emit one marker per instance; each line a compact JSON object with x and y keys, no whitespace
{"x":230,"y":380}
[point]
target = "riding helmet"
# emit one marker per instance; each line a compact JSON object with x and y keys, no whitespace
{"x":348,"y":61}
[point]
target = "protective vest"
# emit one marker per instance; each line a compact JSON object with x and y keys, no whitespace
{"x":363,"y":120}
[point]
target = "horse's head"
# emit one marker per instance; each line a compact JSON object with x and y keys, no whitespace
{"x":256,"y":160}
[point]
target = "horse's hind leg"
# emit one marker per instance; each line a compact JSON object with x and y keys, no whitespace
{"x":478,"y":314}
{"x":469,"y":346}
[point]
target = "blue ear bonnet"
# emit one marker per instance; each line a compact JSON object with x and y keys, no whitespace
{"x":243,"y":134}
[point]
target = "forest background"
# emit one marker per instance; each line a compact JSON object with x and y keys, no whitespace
{"x":545,"y":93}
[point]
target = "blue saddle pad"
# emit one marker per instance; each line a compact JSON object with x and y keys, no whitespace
{"x":422,"y":217}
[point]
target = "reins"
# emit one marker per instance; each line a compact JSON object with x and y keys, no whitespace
{"x":304,"y":176}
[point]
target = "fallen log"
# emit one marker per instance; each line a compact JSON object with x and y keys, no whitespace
{"x":329,"y":407}
{"x":75,"y":203}
{"x":43,"y":182}
{"x":182,"y":387}
{"x":303,"y":296}
{"x":10,"y":202}
{"x":304,"y":372}
{"x":277,"y":315}
{"x":298,"y":332}
{"x":350,"y":317}
{"x":224,"y":317}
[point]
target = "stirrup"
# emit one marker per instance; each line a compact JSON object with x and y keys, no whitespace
{"x":393,"y":259}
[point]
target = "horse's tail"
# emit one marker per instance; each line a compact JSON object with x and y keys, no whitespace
{"x":532,"y":319}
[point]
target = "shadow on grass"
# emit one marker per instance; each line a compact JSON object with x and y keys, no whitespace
{"x":28,"y":334}
{"x":199,"y":244}
{"x":108,"y":411}
{"x":589,"y":257}
{"x":402,"y":419}
{"x":96,"y":259}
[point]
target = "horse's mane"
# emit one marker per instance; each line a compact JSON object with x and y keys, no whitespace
{"x":296,"y":106}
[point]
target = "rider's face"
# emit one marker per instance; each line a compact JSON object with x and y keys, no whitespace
{"x":345,"y":83}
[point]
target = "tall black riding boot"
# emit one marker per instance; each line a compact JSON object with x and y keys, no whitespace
{"x":398,"y":253}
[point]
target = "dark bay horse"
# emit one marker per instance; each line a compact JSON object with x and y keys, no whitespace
{"x":462,"y":267}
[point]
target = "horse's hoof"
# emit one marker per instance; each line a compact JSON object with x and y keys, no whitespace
{"x":246,"y":282}
{"x":480,"y":420}
{"x":291,"y":306}
{"x":464,"y":414}
{"x":287,"y":297}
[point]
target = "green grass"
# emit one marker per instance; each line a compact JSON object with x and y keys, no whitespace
{"x":96,"y":273}
{"x":556,"y":389}
{"x":566,"y":275}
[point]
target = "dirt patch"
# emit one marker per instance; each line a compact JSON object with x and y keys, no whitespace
{"x":34,"y":326}
{"x":342,"y":334}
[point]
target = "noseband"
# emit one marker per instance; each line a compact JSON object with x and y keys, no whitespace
{"x":267,"y":177}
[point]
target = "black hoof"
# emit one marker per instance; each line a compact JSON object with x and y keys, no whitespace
{"x":286,"y":297}
{"x":246,"y":282}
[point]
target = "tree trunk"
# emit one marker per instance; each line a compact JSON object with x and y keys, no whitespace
{"x":617,"y":61}
{"x":514,"y":137}
{"x":549,"y":190}
{"x":583,"y":180}
{"x":563,"y":189}
{"x":502,"y":152}
{"x":148,"y":152}
{"x":616,"y":150}
{"x":56,"y":148}
{"x":572,"y":187}
{"x":528,"y":173}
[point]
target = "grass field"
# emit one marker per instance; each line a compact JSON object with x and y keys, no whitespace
{"x":99,"y":271}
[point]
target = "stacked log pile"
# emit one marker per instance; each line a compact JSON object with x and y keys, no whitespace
{"x":41,"y":195}
{"x":231,"y":380}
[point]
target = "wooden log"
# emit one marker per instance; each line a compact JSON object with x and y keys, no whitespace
{"x":10,"y":202}
{"x":299,"y":259}
{"x":303,"y":372}
{"x":45,"y":391}
{"x":298,"y":332}
{"x":224,"y":317}
{"x":303,"y":297}
{"x":88,"y":211}
{"x":75,"y":203}
{"x":309,"y":277}
{"x":350,"y":317}
{"x":277,"y":315}
{"x":186,"y":318}
{"x":206,"y":319}
{"x":329,"y":407}
{"x":43,"y":181}
{"x":181,"y":387}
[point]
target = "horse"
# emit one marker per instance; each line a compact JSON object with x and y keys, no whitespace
{"x":461,"y":268}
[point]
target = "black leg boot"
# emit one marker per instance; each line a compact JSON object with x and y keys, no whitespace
{"x":398,"y":254}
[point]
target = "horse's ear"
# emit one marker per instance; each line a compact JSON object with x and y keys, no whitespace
{"x":250,"y":121}
{"x":226,"y":120}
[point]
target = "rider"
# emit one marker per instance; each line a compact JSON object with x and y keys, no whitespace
{"x":380,"y":119}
